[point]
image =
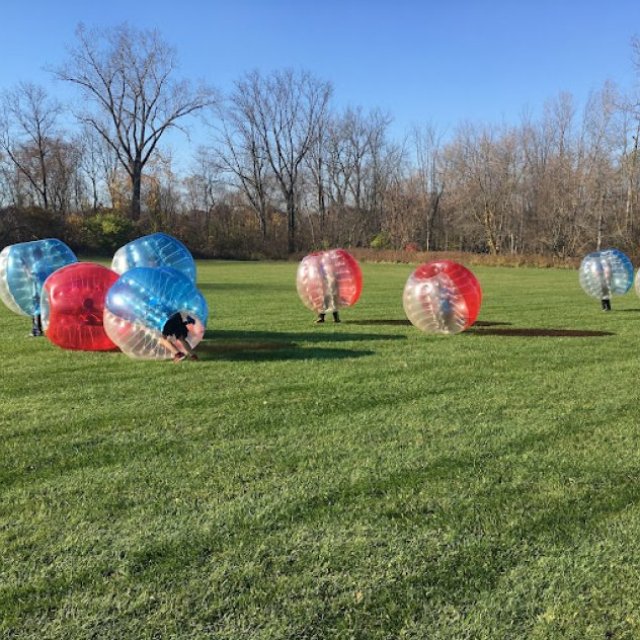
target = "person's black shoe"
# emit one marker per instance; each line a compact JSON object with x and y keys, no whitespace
{"x":320,"y":319}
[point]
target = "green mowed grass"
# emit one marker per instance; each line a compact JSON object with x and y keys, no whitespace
{"x":361,"y":480}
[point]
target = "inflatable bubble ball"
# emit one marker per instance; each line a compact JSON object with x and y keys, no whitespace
{"x":442,"y":297}
{"x":329,"y":280}
{"x":140,"y":303}
{"x":72,"y":304}
{"x":155,"y":250}
{"x":606,"y":273}
{"x":23,"y":269}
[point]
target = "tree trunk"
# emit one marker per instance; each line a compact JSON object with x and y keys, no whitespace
{"x":263,"y":216}
{"x":431,"y":217}
{"x":631,"y":173}
{"x":489,"y":230}
{"x":322,"y":209}
{"x":291,"y":223}
{"x":136,"y":189}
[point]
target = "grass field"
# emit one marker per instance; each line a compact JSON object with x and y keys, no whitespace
{"x":361,"y":480}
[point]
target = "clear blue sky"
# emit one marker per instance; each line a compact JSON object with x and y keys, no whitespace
{"x":437,"y":61}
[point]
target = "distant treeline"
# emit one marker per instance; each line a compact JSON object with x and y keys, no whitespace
{"x":280,"y":171}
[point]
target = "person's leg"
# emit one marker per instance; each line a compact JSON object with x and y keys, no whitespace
{"x":186,"y":348}
{"x":36,"y":326}
{"x":176,"y":354}
{"x":320,"y":318}
{"x":336,"y":317}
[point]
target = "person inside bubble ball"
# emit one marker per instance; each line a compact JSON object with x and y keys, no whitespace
{"x":37,"y":278}
{"x":606,"y":291}
{"x":330,"y":293}
{"x":89,"y":315}
{"x":174,"y":337}
{"x":36,"y":319}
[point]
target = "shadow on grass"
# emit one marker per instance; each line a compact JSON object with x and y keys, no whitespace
{"x":486,"y":328}
{"x":273,"y":345}
{"x":532,"y":332}
{"x":262,"y":351}
{"x":287,"y":337}
{"x":407,"y":323}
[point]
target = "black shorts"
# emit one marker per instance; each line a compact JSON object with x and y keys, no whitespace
{"x":175,"y":326}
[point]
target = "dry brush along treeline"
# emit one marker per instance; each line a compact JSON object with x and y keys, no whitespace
{"x":277,"y":170}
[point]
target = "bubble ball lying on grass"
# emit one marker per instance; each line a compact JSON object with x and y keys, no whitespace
{"x":442,"y":297}
{"x":606,"y":273}
{"x":73,"y":299}
{"x":329,"y":280}
{"x":141,"y":301}
{"x":155,"y":250}
{"x":23,"y":269}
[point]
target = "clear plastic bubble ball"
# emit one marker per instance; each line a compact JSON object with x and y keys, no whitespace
{"x":155,"y":250}
{"x":605,"y":273}
{"x":329,"y":280}
{"x":23,"y":269}
{"x":142,"y":300}
{"x":73,"y":299}
{"x":442,"y":297}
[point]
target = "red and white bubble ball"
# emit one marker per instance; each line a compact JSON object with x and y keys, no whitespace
{"x":329,"y":280}
{"x":442,"y":297}
{"x":72,"y":303}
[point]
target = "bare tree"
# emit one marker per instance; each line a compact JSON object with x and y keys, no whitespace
{"x":430,"y":176}
{"x":317,"y":165}
{"x":127,"y":75}
{"x":630,"y":165}
{"x":629,"y":111}
{"x":358,"y":159}
{"x":241,"y":152}
{"x":482,"y":170}
{"x":202,"y":182}
{"x":404,"y":201}
{"x":96,"y":166}
{"x":563,"y":207}
{"x":28,"y":134}
{"x":595,"y":162}
{"x":66,"y":186}
{"x":160,"y":193}
{"x":204,"y":189}
{"x":282,"y":114}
